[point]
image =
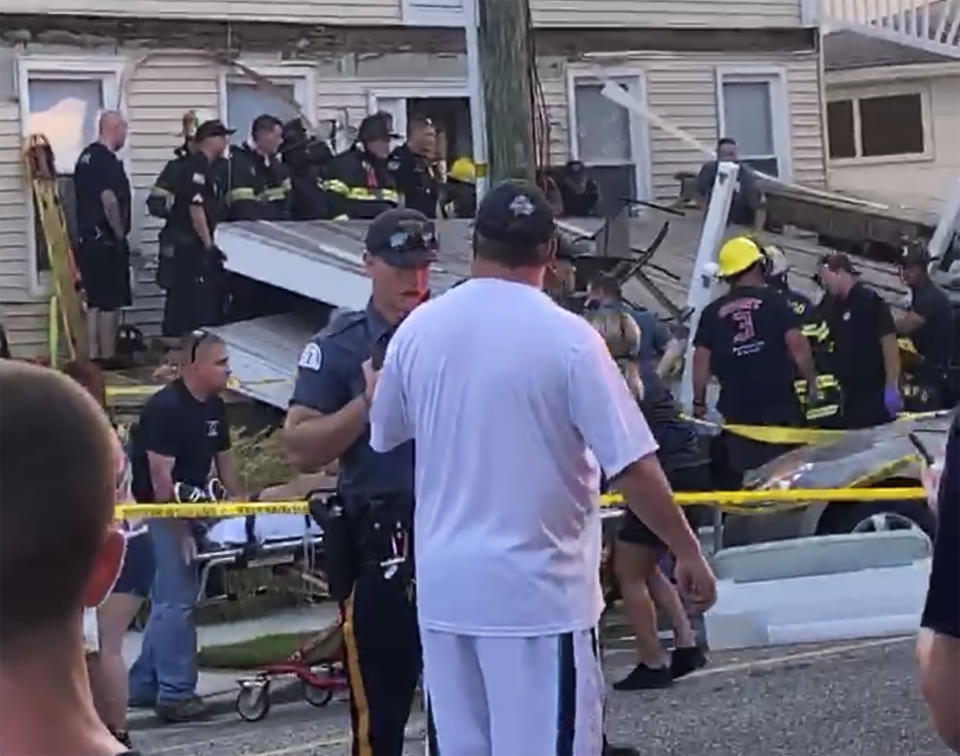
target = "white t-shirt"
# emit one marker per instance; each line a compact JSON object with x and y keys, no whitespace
{"x":511,"y":401}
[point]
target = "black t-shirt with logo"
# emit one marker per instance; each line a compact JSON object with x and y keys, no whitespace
{"x":173,"y":423}
{"x":937,"y":336}
{"x":97,"y":170}
{"x":857,"y":323}
{"x":745,"y":332}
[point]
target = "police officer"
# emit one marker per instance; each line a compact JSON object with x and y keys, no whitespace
{"x":305,"y":159}
{"x":412,"y":170}
{"x":866,"y":358}
{"x":369,"y":559}
{"x":358,"y":179}
{"x":751,"y":341}
{"x":103,"y":222}
{"x":259,"y":181}
{"x":195,"y":294}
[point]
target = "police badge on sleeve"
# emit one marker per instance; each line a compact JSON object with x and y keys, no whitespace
{"x":311,"y":357}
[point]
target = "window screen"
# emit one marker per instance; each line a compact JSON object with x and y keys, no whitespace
{"x":840,"y":129}
{"x":891,"y":125}
{"x":246,"y":101}
{"x":748,"y":117}
{"x":603,"y":127}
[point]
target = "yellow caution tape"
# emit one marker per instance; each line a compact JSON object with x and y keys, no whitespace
{"x":727,"y":500}
{"x":135,"y":390}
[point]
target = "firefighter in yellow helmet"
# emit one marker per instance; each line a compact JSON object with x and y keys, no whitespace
{"x":460,"y":194}
{"x":750,"y":340}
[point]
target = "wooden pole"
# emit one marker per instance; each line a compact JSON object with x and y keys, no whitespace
{"x":504,"y":62}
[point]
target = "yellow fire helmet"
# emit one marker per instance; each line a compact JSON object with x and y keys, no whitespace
{"x":738,"y":254}
{"x":463,"y":170}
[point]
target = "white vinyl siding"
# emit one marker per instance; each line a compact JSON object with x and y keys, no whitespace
{"x":679,"y":14}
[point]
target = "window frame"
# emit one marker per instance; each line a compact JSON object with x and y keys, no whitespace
{"x":855,"y":94}
{"x":639,"y":131}
{"x":302,"y":77}
{"x":109,"y":70}
{"x":775,"y":77}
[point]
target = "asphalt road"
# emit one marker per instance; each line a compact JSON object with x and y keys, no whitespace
{"x":856,"y":698}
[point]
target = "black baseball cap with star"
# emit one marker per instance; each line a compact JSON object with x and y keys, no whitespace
{"x":515,"y":213}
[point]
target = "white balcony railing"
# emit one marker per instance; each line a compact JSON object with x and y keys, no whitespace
{"x":932,"y":25}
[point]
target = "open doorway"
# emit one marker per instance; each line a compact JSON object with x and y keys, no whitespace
{"x":450,"y":116}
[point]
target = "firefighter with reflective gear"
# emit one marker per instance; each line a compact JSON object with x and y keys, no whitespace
{"x":368,"y":525}
{"x":750,"y":339}
{"x":306,"y":157}
{"x":259,"y":181}
{"x":777,"y":271}
{"x":460,"y":192}
{"x":195,"y":296}
{"x":358,"y":179}
{"x":412,"y":168}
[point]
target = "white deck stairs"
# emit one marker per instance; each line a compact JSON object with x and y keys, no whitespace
{"x":931,"y":25}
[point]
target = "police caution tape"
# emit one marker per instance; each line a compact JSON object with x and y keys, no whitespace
{"x":755,"y":502}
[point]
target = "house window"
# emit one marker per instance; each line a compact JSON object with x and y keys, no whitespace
{"x":62,"y":99}
{"x":281,"y":96}
{"x":753,"y":111}
{"x":607,"y":138}
{"x":432,"y":12}
{"x":882,"y":126}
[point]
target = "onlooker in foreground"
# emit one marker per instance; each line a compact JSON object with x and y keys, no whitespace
{"x":59,"y":553}
{"x":938,"y":647}
{"x":108,"y":670}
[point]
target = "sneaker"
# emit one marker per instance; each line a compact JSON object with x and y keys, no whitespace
{"x":683,"y":661}
{"x":645,"y":678}
{"x":183,"y":710}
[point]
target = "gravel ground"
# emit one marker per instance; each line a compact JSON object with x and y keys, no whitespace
{"x":857,"y":698}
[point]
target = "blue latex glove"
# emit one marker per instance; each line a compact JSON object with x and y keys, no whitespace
{"x":892,"y":400}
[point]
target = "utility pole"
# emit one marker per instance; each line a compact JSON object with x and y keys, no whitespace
{"x":504,"y":47}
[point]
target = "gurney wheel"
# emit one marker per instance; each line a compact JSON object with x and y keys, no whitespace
{"x":315,"y":695}
{"x":253,"y":700}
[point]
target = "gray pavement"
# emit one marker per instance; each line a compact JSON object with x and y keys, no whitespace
{"x":857,"y":698}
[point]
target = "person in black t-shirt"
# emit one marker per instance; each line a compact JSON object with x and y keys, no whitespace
{"x":181,"y":435}
{"x":103,"y":222}
{"x":59,"y":554}
{"x":938,"y":646}
{"x":931,"y":324}
{"x":866,"y":358}
{"x":751,"y":341}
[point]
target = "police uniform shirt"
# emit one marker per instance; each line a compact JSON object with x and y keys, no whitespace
{"x":329,"y":376}
{"x":99,"y":169}
{"x":174,"y":423}
{"x":933,"y":338}
{"x":857,"y":323}
{"x":415,"y":180}
{"x":200,"y":186}
{"x":744,"y":331}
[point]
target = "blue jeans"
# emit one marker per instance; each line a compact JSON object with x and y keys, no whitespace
{"x":167,"y":667}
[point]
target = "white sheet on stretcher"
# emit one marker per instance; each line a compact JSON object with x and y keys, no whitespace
{"x":267,"y":527}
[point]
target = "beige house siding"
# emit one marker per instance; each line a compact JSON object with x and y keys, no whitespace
{"x":922,"y":182}
{"x":338,"y":12}
{"x":703,"y":14}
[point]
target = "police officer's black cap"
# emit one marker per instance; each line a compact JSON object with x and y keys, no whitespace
{"x":515,"y":213}
{"x":403,"y":238}
{"x":374,"y":127}
{"x":914,"y":255}
{"x":212,"y":128}
{"x":837,"y":261}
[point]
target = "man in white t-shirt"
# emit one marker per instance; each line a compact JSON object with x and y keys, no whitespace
{"x":515,"y":406}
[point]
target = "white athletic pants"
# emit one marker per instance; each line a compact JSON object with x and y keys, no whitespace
{"x":502,"y":696}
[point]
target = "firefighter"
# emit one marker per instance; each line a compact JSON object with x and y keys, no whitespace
{"x":931,"y":325}
{"x":751,"y":341}
{"x":195,"y":295}
{"x":368,"y":526}
{"x":259,"y":181}
{"x":460,"y":192}
{"x":358,"y":179}
{"x":412,"y":168}
{"x":866,"y":358}
{"x":306,"y":158}
{"x":777,"y":270}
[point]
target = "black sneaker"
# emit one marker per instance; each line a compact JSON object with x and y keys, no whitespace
{"x":184,"y":710}
{"x":683,"y":661}
{"x":645,"y":678}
